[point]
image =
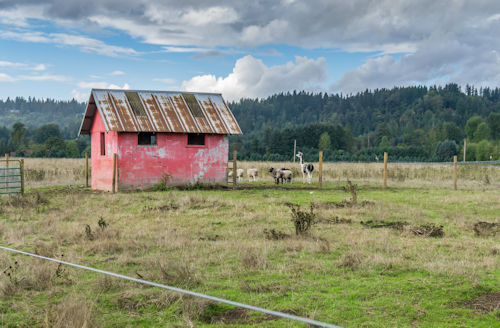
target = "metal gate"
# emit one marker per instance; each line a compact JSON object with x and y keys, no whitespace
{"x":11,"y":176}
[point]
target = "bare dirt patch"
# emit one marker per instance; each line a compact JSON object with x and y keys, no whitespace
{"x":485,"y":303}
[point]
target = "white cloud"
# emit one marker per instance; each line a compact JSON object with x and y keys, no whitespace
{"x":23,"y":66}
{"x":84,"y":43}
{"x":37,"y":78}
{"x":101,"y":85}
{"x":185,"y":49}
{"x":79,"y":95}
{"x":117,"y":73}
{"x":6,"y":78}
{"x":251,"y":78}
{"x":44,"y":77}
{"x":40,"y":67}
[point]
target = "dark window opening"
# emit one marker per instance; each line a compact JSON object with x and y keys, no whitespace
{"x":135,"y":103}
{"x":103,"y":144}
{"x":146,"y":138}
{"x":196,"y":139}
{"x":193,"y":105}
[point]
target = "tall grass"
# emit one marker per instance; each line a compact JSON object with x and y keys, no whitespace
{"x":66,"y":171}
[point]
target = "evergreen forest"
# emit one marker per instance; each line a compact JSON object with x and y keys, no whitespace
{"x":415,"y":123}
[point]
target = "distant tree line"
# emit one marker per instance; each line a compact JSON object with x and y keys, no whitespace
{"x":412,"y":123}
{"x":416,"y":123}
{"x":44,"y":141}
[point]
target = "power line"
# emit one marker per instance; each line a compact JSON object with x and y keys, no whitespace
{"x":179,"y":290}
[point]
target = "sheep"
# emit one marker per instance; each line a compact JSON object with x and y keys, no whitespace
{"x":252,"y":174}
{"x":306,"y":168}
{"x":277,"y":175}
{"x":282,"y":174}
{"x":287,"y":175}
{"x":239,"y":174}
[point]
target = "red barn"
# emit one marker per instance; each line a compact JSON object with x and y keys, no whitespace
{"x":179,"y":137}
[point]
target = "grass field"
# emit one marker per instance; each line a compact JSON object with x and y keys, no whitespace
{"x":242,"y":245}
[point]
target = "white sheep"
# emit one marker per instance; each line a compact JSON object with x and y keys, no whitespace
{"x":287,"y":175}
{"x":252,"y":174}
{"x":239,"y":174}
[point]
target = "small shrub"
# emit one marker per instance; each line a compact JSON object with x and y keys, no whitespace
{"x":102,"y":224}
{"x":88,"y":232}
{"x":302,"y":220}
{"x":352,"y":189}
{"x":163,"y":185}
{"x":195,"y":186}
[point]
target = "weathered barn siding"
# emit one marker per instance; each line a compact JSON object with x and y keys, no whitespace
{"x":102,"y":166}
{"x":141,"y":166}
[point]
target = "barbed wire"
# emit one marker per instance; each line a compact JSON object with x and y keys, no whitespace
{"x":179,"y":290}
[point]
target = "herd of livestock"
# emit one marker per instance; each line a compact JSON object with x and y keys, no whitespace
{"x":283,"y":175}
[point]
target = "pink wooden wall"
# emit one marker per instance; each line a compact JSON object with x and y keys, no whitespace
{"x":141,"y":166}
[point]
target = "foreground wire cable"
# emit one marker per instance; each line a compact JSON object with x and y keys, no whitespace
{"x":182,"y":291}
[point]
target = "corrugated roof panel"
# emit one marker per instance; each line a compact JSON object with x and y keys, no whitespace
{"x":214,"y":118}
{"x":106,"y":108}
{"x":160,"y":111}
{"x":168,"y":109}
{"x":226,"y":114}
{"x":184,"y":114}
{"x":155,"y":113}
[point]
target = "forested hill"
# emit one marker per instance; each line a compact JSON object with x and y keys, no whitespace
{"x":34,"y":112}
{"x":419,"y":123}
{"x":412,"y":123}
{"x":404,"y":109}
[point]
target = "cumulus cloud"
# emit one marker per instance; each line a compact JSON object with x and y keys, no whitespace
{"x":251,"y":78}
{"x":81,"y":93}
{"x":413,"y":41}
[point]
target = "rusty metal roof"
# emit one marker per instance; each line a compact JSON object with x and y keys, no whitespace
{"x":160,"y":111}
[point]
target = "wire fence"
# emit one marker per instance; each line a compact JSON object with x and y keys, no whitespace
{"x":179,"y":290}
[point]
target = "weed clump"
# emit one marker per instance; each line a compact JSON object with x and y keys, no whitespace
{"x":275,"y":234}
{"x":396,"y":225}
{"x":334,"y":220}
{"x":350,"y":261}
{"x":352,"y":189}
{"x":486,"y":229}
{"x":428,"y":230}
{"x":302,"y":220}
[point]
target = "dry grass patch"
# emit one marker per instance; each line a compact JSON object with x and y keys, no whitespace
{"x":73,"y":312}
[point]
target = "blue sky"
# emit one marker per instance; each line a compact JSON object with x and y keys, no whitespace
{"x":62,"y":48}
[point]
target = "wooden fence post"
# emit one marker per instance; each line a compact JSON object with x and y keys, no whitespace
{"x":465,"y":149}
{"x":235,"y":169}
{"x":21,"y":169}
{"x":455,"y":159}
{"x":294,"y":150}
{"x":6,"y":172}
{"x":320,"y":182}
{"x":385,"y":170}
{"x":114,"y":173}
